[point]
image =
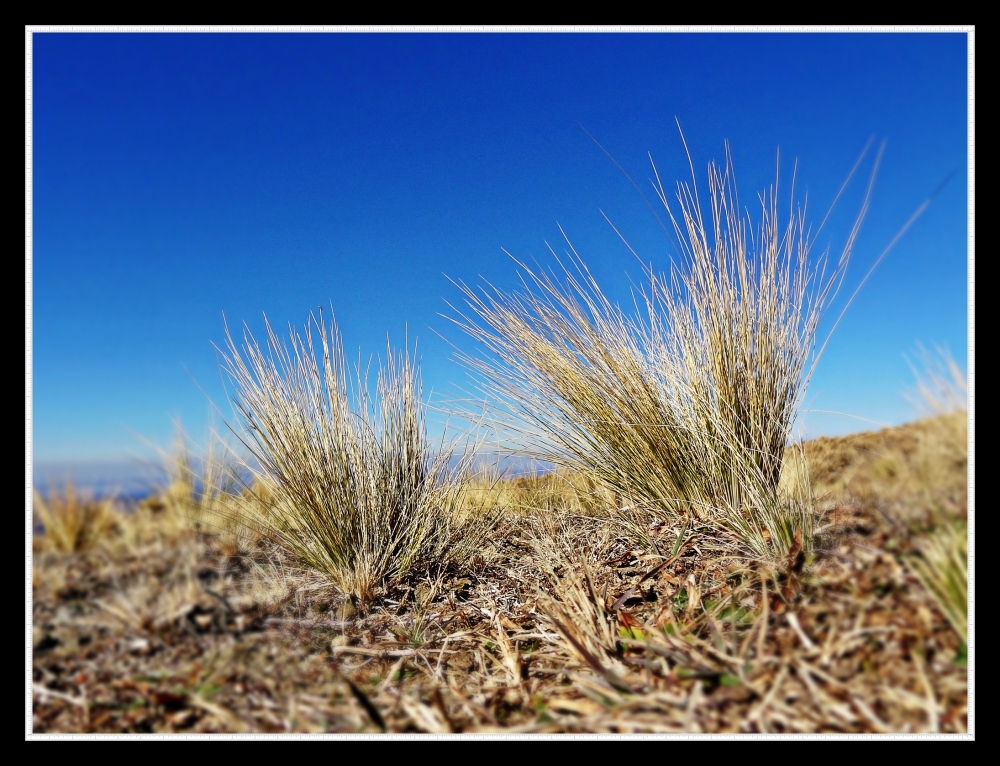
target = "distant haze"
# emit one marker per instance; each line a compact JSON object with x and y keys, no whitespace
{"x":137,"y":479}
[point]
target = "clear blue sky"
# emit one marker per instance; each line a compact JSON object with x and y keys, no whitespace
{"x":180,"y":176}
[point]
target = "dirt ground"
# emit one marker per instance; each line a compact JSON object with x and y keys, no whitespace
{"x":566,"y":622}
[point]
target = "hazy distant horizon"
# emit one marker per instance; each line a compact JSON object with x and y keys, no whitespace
{"x":136,"y":478}
{"x":123,"y":477}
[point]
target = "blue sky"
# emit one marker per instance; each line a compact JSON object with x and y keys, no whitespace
{"x":178,"y":177}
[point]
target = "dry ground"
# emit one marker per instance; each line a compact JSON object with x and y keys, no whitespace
{"x":570,"y":621}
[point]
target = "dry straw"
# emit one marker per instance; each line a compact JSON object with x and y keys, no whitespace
{"x":346,"y":477}
{"x":687,"y":405}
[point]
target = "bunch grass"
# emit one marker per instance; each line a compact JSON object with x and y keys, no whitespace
{"x":685,"y":406}
{"x":74,"y":523}
{"x":345,"y":474}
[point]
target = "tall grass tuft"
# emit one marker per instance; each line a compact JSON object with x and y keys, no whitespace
{"x":74,"y":523}
{"x":687,"y":405}
{"x":346,"y":477}
{"x":943,"y":569}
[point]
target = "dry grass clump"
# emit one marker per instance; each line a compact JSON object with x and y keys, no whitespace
{"x":73,"y":523}
{"x":688,"y":407}
{"x":208,"y":492}
{"x":943,"y":567}
{"x":347,"y":477}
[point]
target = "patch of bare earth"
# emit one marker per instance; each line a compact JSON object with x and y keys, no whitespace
{"x":567,"y":624}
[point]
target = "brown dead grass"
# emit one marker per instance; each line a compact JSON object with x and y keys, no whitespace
{"x":566,"y":622}
{"x":908,"y":473}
